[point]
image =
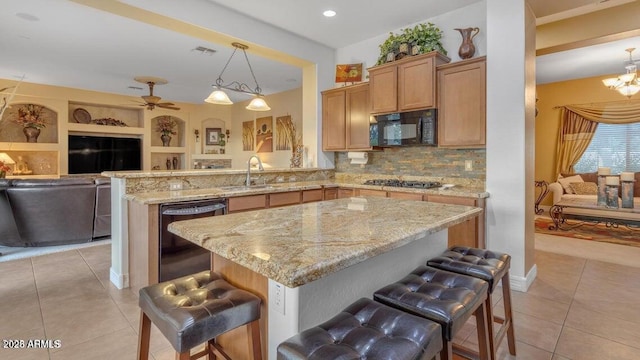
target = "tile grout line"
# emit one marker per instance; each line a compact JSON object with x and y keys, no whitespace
{"x":35,"y":282}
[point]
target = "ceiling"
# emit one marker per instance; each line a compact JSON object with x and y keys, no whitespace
{"x":63,"y":43}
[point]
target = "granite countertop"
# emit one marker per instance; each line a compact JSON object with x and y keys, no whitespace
{"x":298,"y":244}
{"x":160,"y":197}
{"x":194,"y":172}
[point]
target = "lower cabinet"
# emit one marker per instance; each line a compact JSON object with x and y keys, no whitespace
{"x":345,"y":193}
{"x":330,"y":194}
{"x":312,"y":195}
{"x":469,"y":233}
{"x":367,"y":192}
{"x":405,"y":196}
{"x":246,"y":203}
{"x":285,"y":198}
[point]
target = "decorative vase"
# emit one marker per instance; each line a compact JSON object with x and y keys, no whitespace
{"x":3,"y":174}
{"x":31,"y":133}
{"x":467,"y":49}
{"x":168,"y":164}
{"x":391,"y":56}
{"x":175,"y":163}
{"x":221,"y":150}
{"x":415,"y":50}
{"x":296,"y":156}
{"x":166,"y":140}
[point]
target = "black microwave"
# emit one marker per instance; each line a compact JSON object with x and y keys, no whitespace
{"x":404,"y":129}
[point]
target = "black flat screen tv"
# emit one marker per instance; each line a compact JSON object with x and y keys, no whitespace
{"x":95,"y":154}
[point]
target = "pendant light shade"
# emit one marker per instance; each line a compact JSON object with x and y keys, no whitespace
{"x":218,"y":97}
{"x":258,"y":104}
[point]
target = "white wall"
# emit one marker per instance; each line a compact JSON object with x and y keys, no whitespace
{"x":510,"y":135}
{"x":318,"y":74}
{"x":281,"y":104}
{"x":368,"y":51}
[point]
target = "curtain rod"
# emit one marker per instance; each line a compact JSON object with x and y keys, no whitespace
{"x":597,"y":103}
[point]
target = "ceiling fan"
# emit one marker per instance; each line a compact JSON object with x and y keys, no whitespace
{"x":151,"y":101}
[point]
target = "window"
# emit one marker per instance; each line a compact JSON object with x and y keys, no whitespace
{"x":616,"y":146}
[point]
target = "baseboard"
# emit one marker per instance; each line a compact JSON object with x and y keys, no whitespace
{"x":519,"y":283}
{"x":121,"y":281}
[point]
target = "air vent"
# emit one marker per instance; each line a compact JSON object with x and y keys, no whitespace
{"x":204,"y":50}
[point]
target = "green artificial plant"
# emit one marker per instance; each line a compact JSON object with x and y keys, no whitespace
{"x":426,"y":36}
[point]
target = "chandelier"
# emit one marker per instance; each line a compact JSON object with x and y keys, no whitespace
{"x":219,"y":97}
{"x":626,"y":84}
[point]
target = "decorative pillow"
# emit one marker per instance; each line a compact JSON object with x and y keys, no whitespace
{"x":566,"y":182}
{"x":584,"y":188}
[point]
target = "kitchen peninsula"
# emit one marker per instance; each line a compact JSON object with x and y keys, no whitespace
{"x":309,"y":261}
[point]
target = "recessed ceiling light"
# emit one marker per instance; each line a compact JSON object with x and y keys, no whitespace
{"x":329,"y":13}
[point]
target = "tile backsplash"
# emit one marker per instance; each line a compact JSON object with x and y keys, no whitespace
{"x":419,"y":161}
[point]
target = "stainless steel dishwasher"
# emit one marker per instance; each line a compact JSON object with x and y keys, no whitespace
{"x":180,"y":257}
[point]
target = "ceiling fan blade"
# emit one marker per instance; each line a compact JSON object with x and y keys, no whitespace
{"x":166,"y":103}
{"x":167,"y":106}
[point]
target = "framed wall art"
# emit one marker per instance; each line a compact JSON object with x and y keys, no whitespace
{"x":212,"y":136}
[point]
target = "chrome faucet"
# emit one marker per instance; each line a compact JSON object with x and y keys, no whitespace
{"x":260,"y":167}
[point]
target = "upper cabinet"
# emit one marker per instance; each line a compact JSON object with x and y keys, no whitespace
{"x":462,"y":104}
{"x":345,"y":118}
{"x":405,"y":85}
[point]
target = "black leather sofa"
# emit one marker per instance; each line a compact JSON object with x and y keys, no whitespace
{"x":45,"y":212}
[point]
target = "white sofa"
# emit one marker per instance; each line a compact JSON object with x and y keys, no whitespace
{"x":559,"y":194}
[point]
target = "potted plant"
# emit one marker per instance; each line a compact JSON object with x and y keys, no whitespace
{"x":222,"y":142}
{"x":422,"y":38}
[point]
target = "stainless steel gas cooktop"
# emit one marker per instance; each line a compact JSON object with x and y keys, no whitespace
{"x":405,"y":184}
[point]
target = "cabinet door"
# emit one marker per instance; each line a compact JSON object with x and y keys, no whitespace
{"x":285,"y":198}
{"x":368,"y":192}
{"x":383,"y":88}
{"x":462,"y":105}
{"x":416,"y":85}
{"x":403,"y":195}
{"x":357,"y":117}
{"x":465,"y":233}
{"x":246,"y":203}
{"x":312,"y":195}
{"x":345,"y":193}
{"x":330,"y":194}
{"x":333,"y":120}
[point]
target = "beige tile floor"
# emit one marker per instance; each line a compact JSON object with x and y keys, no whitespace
{"x":583,"y":307}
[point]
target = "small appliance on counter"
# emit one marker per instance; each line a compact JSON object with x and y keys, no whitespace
{"x":404,"y":129}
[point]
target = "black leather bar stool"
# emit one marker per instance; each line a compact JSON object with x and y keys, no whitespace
{"x":446,"y":298}
{"x":195,"y":309}
{"x":366,"y":330}
{"x":491,"y":267}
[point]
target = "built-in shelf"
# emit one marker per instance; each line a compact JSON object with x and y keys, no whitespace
{"x":105,"y":129}
{"x":210,"y":156}
{"x":167,"y":149}
{"x":24,"y":146}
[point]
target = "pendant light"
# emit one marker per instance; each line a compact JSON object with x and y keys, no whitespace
{"x":218,"y":96}
{"x":627,"y":83}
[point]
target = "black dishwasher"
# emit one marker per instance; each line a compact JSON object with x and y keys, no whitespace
{"x":180,"y":257}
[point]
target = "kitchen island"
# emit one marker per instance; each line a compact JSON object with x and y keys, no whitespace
{"x":307,"y":262}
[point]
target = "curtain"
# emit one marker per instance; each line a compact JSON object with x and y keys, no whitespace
{"x":578,"y":123}
{"x":574,"y":137}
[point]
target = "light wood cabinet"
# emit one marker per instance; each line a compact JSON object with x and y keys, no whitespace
{"x":406,"y":84}
{"x":330,"y":194}
{"x":469,"y":233}
{"x":462,"y":104}
{"x":404,"y":195}
{"x":345,"y":193}
{"x":285,"y":198}
{"x":345,"y":118}
{"x":369,"y":192}
{"x":246,"y":203}
{"x":312,"y":195}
